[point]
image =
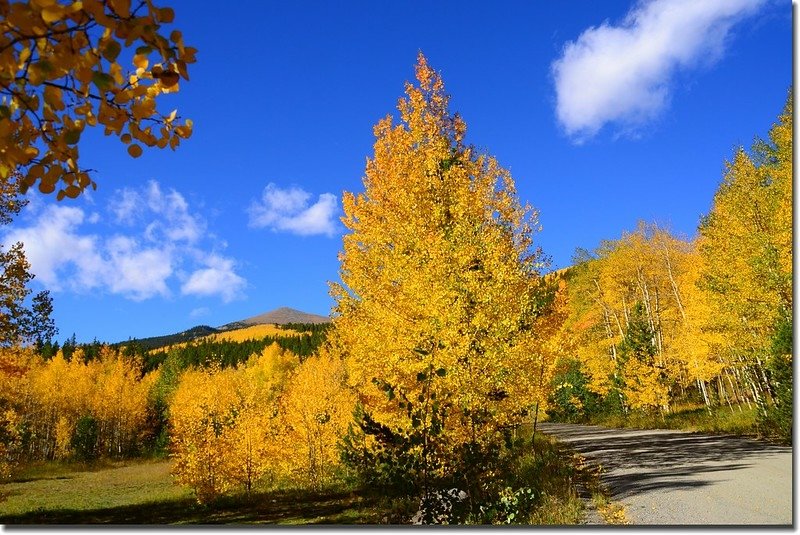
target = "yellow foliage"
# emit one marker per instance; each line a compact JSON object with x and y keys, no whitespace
{"x":223,"y":424}
{"x":746,"y":244}
{"x":252,"y":332}
{"x":61,"y":73}
{"x":440,"y":280}
{"x":659,"y":273}
{"x":316,"y":410}
{"x":10,"y":441}
{"x":52,"y":395}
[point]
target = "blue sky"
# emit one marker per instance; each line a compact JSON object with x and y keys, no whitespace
{"x":606,"y":113}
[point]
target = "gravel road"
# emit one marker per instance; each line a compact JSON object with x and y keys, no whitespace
{"x":674,"y":478}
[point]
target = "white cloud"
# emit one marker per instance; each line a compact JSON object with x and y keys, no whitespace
{"x":69,"y":251}
{"x":136,"y":272}
{"x":53,"y":241}
{"x":168,"y":213}
{"x":622,"y":74}
{"x":124,"y":206}
{"x":288,"y":210}
{"x":217,"y":278}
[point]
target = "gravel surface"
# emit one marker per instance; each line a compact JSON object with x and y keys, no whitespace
{"x":674,"y":478}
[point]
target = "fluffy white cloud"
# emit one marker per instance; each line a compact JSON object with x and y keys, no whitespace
{"x":622,"y":74}
{"x":68,"y":250}
{"x":217,"y":278}
{"x":53,"y":241}
{"x":125,"y":205}
{"x":139,"y":273}
{"x":289,"y":210}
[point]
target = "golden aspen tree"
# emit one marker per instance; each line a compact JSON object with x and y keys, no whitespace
{"x":746,"y":245}
{"x":224,"y":424}
{"x":201,"y":408}
{"x":254,"y":445}
{"x":61,"y":70}
{"x":440,"y":284}
{"x":589,"y":326}
{"x":14,"y":365}
{"x":316,"y":409}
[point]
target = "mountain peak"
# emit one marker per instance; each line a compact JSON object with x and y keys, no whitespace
{"x":280,"y":316}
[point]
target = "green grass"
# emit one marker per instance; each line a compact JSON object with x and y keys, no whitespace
{"x":137,"y":492}
{"x":741,"y":420}
{"x":80,"y":488}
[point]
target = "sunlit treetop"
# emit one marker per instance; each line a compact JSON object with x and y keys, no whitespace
{"x":61,"y":69}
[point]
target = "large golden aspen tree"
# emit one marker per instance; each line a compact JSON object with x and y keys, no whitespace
{"x":441,"y":288}
{"x":747,"y":240}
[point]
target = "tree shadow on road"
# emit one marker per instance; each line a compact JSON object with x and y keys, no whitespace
{"x":637,"y":461}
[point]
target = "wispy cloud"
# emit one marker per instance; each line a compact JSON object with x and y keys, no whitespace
{"x":288,"y":210}
{"x":149,"y":241}
{"x":621,"y":74}
{"x":199,"y":312}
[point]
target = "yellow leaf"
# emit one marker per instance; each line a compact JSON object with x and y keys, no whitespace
{"x":52,"y":13}
{"x":140,"y":61}
{"x":166,"y":15}
{"x":135,"y":150}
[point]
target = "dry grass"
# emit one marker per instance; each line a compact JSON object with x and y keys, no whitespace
{"x":736,"y":420}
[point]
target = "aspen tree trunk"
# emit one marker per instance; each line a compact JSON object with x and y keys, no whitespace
{"x":625,"y":311}
{"x":702,"y":387}
{"x":658,"y":333}
{"x":742,"y":386}
{"x":736,"y":394}
{"x":723,"y":395}
{"x":673,"y":284}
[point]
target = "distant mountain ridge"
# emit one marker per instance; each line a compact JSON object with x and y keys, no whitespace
{"x":188,"y":335}
{"x":279,"y":316}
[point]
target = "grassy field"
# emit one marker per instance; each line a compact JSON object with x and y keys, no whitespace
{"x":143,"y":492}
